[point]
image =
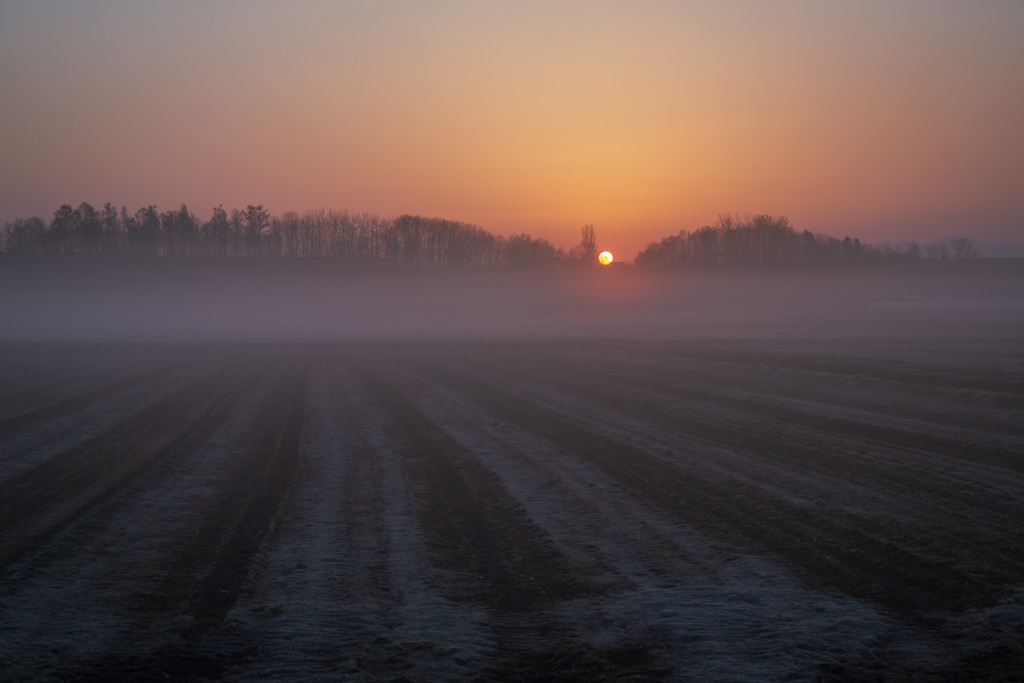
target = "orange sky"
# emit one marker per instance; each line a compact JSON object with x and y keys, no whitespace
{"x":886,"y":121}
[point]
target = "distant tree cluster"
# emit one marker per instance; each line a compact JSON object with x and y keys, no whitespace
{"x":764,"y":239}
{"x":958,"y":248}
{"x":425,"y":242}
{"x":428,"y":242}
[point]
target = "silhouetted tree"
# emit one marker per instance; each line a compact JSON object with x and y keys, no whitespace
{"x":586,"y":250}
{"x":125,"y":222}
{"x":425,"y":242}
{"x":522,"y":249}
{"x":256,"y":220}
{"x":25,"y":236}
{"x":238,"y":233}
{"x":144,"y":235}
{"x":216,"y":233}
{"x":963,"y":249}
{"x":907,"y":251}
{"x":285,"y":231}
{"x":408,"y":238}
{"x":809,"y":247}
{"x":110,"y":229}
{"x":751,"y":240}
{"x":89,"y":229}
{"x":58,"y":237}
{"x":179,"y":231}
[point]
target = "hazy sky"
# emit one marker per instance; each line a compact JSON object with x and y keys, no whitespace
{"x":881,"y":120}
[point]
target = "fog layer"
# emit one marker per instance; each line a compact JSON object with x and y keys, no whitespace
{"x":279,"y":300}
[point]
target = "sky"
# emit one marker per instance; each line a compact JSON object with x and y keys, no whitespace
{"x":880,"y":120}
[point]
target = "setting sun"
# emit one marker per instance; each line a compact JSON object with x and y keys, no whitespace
{"x":605,"y":258}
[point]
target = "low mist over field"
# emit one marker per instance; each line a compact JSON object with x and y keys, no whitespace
{"x":274,"y":300}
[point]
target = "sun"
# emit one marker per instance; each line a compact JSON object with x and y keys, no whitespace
{"x":605,"y":258}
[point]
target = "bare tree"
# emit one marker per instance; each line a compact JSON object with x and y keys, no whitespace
{"x":586,"y":250}
{"x":962,"y":248}
{"x":146,"y":224}
{"x":89,"y":229}
{"x":286,"y":230}
{"x":522,"y":249}
{"x":110,"y":227}
{"x":216,"y":233}
{"x":24,"y":236}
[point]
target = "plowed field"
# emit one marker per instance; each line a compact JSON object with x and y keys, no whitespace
{"x":577,"y":509}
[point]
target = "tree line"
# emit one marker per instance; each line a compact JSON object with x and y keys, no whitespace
{"x":425,"y":242}
{"x":764,"y":239}
{"x":415,"y":240}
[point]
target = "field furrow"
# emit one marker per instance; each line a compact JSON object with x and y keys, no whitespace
{"x":11,"y":426}
{"x":768,"y":403}
{"x":478,"y":532}
{"x":833,"y":548}
{"x":863,"y":482}
{"x":559,"y":510}
{"x":39,"y":500}
{"x":195,"y":573}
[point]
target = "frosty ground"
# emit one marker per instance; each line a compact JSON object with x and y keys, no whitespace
{"x":599,"y":508}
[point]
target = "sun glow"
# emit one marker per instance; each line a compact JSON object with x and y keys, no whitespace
{"x":605,"y":258}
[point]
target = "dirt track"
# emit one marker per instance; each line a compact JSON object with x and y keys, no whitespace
{"x":562,"y":510}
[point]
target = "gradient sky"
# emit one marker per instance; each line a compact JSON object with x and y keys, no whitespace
{"x":882,"y":120}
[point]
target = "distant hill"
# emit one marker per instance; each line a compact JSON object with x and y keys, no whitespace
{"x":987,"y":249}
